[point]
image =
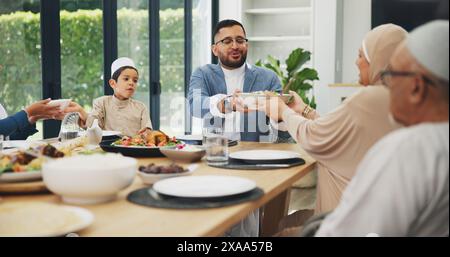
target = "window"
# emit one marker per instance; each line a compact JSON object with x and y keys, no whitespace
{"x":172,"y":42}
{"x":133,"y":41}
{"x":81,"y":51}
{"x":20,"y":75}
{"x":201,"y":43}
{"x":64,"y":52}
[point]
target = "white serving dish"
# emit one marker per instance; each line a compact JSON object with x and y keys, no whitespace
{"x":189,"y":154}
{"x":251,"y":98}
{"x":62,"y":103}
{"x":89,"y":179}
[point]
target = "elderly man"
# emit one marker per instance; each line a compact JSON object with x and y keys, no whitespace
{"x":402,"y":186}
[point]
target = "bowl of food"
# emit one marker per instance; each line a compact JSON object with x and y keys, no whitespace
{"x":89,"y":179}
{"x":152,"y":173}
{"x":184,"y":153}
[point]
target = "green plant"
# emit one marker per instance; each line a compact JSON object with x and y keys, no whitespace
{"x":295,"y":77}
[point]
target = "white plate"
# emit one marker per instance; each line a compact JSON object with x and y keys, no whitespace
{"x":20,"y":176}
{"x":106,"y":133}
{"x":86,"y":219}
{"x":204,"y":186}
{"x":70,"y":219}
{"x":190,"y":137}
{"x":62,"y":103}
{"x":150,"y":179}
{"x":22,"y":144}
{"x":250,"y":97}
{"x":264,"y":155}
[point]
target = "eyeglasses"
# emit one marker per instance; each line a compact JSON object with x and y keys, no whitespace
{"x":386,"y":76}
{"x":229,"y":41}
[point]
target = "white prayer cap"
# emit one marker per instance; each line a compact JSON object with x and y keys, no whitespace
{"x":429,"y":45}
{"x":121,"y":62}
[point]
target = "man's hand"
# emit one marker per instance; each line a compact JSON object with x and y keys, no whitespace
{"x":34,"y":119}
{"x":238,"y":104}
{"x":41,"y":110}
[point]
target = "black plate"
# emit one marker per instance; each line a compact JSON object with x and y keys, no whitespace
{"x":234,"y":164}
{"x":144,"y":152}
{"x":199,"y":142}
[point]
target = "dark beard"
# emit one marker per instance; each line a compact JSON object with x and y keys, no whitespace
{"x":235,"y":65}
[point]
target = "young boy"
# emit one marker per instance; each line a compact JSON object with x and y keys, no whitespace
{"x":120,"y":112}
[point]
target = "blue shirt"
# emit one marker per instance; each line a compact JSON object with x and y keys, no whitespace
{"x":17,"y":126}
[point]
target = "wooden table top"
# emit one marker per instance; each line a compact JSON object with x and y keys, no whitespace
{"x":122,"y":218}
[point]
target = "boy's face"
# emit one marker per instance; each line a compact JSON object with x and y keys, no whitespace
{"x":126,"y":84}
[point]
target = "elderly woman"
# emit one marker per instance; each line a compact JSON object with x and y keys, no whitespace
{"x":340,"y":139}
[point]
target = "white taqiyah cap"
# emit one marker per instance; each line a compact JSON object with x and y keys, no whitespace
{"x":429,"y":45}
{"x":121,"y":62}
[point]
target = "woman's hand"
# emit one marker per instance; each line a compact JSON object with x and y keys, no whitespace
{"x":297,"y":104}
{"x":272,"y":106}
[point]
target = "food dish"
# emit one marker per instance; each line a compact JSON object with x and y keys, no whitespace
{"x":23,"y":166}
{"x":204,"y":186}
{"x":48,"y":219}
{"x":131,"y":151}
{"x":141,"y":146}
{"x":151,"y":139}
{"x":153,"y":173}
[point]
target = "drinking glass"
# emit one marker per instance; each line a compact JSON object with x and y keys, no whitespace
{"x":216,"y":144}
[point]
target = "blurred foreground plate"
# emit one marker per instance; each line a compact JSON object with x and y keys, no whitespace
{"x":35,"y":219}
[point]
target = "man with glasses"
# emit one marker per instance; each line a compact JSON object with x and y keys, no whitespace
{"x":402,"y":186}
{"x":213,"y":88}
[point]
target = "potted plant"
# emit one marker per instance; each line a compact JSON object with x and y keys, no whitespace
{"x":295,"y":77}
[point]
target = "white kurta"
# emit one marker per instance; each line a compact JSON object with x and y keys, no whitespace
{"x":401,"y":188}
{"x":234,"y":79}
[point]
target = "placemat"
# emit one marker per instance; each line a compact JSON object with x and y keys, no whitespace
{"x":148,"y":197}
{"x":234,"y":164}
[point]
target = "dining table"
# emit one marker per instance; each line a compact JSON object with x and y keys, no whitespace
{"x":121,"y":218}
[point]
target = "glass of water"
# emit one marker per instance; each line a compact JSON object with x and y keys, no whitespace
{"x":216,"y":144}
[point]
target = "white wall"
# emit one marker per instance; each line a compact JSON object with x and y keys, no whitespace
{"x":357,"y":22}
{"x":230,"y":9}
{"x":324,"y":51}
